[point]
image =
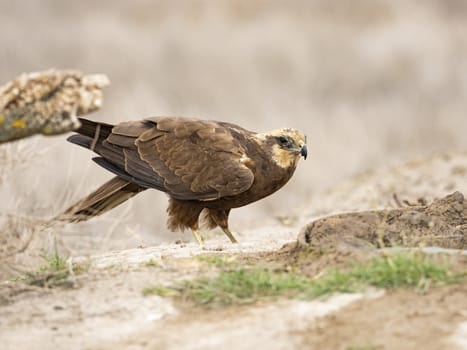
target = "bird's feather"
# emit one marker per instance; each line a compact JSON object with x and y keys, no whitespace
{"x":106,"y":197}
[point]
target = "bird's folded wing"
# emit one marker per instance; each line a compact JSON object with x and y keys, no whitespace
{"x":189,"y":159}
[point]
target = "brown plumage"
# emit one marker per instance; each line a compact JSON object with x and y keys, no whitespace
{"x":206,"y":167}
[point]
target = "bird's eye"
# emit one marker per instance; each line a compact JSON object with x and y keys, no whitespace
{"x":283,"y":140}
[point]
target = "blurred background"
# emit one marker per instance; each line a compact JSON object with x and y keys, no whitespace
{"x":372,"y":84}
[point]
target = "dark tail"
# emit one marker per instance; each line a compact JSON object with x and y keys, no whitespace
{"x":90,"y":133}
{"x":111,"y":194}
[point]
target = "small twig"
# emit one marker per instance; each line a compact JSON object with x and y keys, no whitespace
{"x":405,"y":203}
{"x":396,"y":199}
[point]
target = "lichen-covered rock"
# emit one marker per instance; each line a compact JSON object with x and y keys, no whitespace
{"x":48,"y":102}
{"x":442,"y":223}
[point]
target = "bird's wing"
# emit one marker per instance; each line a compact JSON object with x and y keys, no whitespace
{"x":189,"y":159}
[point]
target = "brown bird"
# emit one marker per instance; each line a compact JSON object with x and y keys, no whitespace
{"x":206,"y":167}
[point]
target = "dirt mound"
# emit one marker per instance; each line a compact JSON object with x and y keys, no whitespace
{"x":442,"y":223}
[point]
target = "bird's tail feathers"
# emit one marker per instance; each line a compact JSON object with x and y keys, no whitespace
{"x":111,"y":194}
{"x":89,"y":127}
{"x":90,"y":133}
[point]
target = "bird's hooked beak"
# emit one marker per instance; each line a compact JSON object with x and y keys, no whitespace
{"x":303,"y":150}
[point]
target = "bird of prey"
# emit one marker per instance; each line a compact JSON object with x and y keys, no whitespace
{"x":206,"y":167}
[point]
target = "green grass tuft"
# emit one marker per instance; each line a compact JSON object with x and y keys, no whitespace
{"x":366,"y":347}
{"x":152,"y":263}
{"x":249,"y":285}
{"x":405,"y":270}
{"x":218,"y":261}
{"x":236,"y":287}
{"x":243,"y":286}
{"x":55,"y":272}
{"x":393,"y":271}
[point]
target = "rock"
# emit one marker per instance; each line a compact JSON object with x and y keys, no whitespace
{"x":442,"y":224}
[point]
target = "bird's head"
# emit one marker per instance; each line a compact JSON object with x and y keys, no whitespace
{"x":285,"y":146}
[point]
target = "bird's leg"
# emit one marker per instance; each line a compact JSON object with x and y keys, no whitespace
{"x":197,"y":236}
{"x":229,"y":234}
{"x":220,"y":217}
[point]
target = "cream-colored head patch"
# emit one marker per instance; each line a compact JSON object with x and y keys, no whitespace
{"x":284,"y":156}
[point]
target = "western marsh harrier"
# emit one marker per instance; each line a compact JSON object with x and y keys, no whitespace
{"x":206,"y":167}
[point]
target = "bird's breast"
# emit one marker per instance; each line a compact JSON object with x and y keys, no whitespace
{"x":268,"y":178}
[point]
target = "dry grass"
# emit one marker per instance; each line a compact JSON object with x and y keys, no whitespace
{"x":14,"y":157}
{"x":26,"y":233}
{"x":370,"y":83}
{"x":16,"y":230}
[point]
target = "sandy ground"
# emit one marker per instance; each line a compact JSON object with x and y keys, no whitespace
{"x":106,"y":310}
